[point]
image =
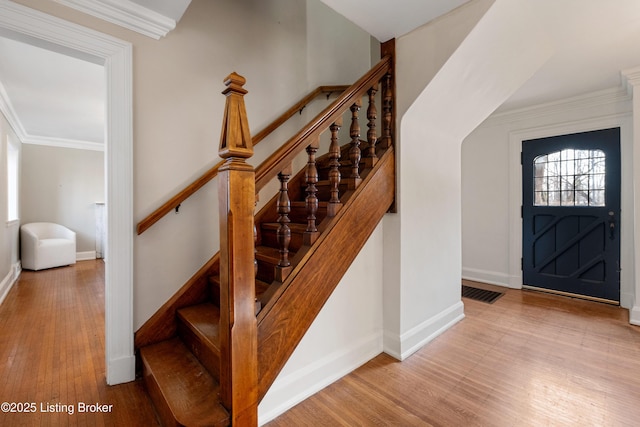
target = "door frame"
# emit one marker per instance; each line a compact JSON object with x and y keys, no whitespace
{"x":625,"y":122}
{"x":49,"y":32}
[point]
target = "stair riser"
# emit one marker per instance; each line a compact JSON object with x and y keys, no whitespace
{"x":324,"y":191}
{"x":265,"y":271}
{"x":214,"y":289}
{"x":270,"y":238}
{"x":323,"y":173}
{"x":159,"y":403}
{"x":208,"y":358}
{"x":299,"y":214}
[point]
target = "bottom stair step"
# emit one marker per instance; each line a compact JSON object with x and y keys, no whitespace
{"x":183,"y":392}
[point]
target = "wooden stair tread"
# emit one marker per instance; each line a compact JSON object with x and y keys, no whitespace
{"x":293,"y":226}
{"x":261,"y":286}
{"x":326,"y":182}
{"x":303,"y":204}
{"x":180,"y":386}
{"x":203,"y":320}
{"x":268,"y":254}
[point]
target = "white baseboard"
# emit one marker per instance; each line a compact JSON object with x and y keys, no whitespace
{"x":489,"y":277}
{"x":626,"y":300}
{"x":288,"y":391}
{"x":9,"y":280}
{"x":85,"y":256}
{"x":634,"y":315}
{"x":403,"y":346}
{"x":121,"y":370}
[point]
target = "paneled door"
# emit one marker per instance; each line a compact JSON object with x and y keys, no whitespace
{"x":571,"y":214}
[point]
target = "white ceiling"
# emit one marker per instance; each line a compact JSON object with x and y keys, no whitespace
{"x":51,"y":95}
{"x":59,"y":96}
{"x":385,"y":20}
{"x":594,"y":39}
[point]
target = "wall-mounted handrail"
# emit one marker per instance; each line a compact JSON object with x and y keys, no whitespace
{"x":176,"y":200}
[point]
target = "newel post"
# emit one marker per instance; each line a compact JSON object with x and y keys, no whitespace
{"x":238,"y":327}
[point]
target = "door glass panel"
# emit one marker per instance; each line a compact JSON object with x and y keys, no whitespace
{"x":570,"y":178}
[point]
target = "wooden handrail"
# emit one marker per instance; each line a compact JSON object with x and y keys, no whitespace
{"x":176,"y":200}
{"x":285,"y":154}
{"x":296,"y":108}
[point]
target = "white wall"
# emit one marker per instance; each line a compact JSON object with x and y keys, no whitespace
{"x":501,"y":50}
{"x":346,"y":334}
{"x":270,"y":48}
{"x":177,"y":116}
{"x":178,"y":111}
{"x":419,"y":57}
{"x":62,"y":185}
{"x":9,"y":242}
{"x":492,"y":192}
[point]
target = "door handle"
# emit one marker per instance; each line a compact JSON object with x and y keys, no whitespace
{"x":612,"y":225}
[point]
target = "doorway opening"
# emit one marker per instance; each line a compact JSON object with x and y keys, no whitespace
{"x":37,"y":28}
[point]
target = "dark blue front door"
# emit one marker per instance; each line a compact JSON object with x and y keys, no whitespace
{"x":571,"y":213}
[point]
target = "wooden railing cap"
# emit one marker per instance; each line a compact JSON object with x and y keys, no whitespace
{"x":234,"y":83}
{"x":235,"y":140}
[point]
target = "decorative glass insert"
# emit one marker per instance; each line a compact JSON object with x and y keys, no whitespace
{"x":569,"y":178}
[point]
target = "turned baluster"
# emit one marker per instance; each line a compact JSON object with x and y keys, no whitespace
{"x":354,"y":151}
{"x":311,"y":201}
{"x":334,"y":169}
{"x":372,"y":114}
{"x":387,"y":112}
{"x":283,"y":233}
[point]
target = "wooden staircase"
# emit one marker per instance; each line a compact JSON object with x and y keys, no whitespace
{"x":193,"y":351}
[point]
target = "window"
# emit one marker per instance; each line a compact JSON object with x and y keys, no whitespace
{"x":570,"y":178}
{"x":13,"y":170}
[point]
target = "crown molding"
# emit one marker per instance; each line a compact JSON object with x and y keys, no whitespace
{"x":127,"y":14}
{"x":62,"y":143}
{"x":589,"y":100}
{"x":6,"y":107}
{"x":631,"y":78}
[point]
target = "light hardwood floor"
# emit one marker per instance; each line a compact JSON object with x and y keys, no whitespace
{"x":529,"y":359}
{"x":52,"y":353}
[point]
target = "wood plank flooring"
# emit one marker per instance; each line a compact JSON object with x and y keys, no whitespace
{"x":52,"y":353}
{"x":529,"y":359}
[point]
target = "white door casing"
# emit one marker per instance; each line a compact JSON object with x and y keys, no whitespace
{"x":32,"y":26}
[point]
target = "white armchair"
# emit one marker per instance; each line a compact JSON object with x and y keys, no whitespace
{"x":46,"y":245}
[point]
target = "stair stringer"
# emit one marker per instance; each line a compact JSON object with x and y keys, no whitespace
{"x":290,"y":313}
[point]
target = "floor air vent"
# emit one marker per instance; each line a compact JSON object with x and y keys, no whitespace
{"x":480,"y":294}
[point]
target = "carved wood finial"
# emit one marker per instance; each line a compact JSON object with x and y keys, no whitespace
{"x":235,"y":139}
